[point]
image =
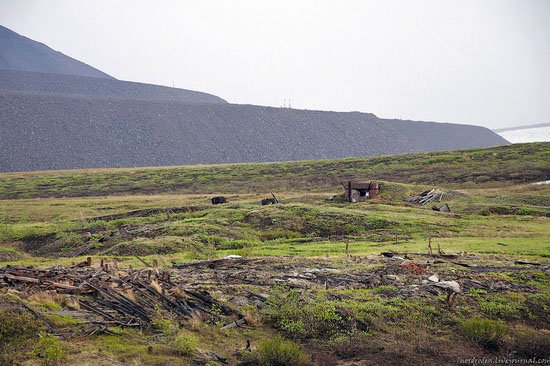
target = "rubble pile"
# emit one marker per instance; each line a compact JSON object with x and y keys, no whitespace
{"x":426,"y":197}
{"x":110,"y":296}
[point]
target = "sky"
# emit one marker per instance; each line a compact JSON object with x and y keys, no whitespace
{"x":474,"y":62}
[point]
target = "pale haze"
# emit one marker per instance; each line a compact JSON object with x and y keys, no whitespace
{"x":474,"y":62}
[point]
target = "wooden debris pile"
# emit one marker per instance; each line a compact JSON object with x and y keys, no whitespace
{"x":426,"y":197}
{"x":110,"y":296}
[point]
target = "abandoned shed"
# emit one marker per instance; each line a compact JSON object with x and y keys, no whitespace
{"x":360,"y":191}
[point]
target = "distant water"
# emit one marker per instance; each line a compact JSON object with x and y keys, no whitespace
{"x":527,"y":135}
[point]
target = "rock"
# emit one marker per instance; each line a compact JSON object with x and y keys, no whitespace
{"x":433,"y":278}
{"x":393,"y":277}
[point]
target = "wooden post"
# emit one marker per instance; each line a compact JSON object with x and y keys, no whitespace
{"x":349,"y":190}
{"x":347,"y":248}
{"x":430,"y":246}
{"x":438,"y":249}
{"x":396,"y":239}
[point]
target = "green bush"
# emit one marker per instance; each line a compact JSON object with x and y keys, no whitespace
{"x":18,"y":333}
{"x":185,"y":343}
{"x":485,"y":332}
{"x":501,"y":306}
{"x":165,"y":325}
{"x":48,"y":350}
{"x":297,"y":318}
{"x":16,"y":327}
{"x":349,"y":345}
{"x":68,"y":239}
{"x":321,"y":319}
{"x":280,"y":352}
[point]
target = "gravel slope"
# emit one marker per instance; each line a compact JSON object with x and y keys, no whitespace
{"x":40,"y":131}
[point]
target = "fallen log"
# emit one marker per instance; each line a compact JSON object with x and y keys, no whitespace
{"x":462,"y":264}
{"x":236,"y":323}
{"x":519,"y":261}
{"x":20,"y":278}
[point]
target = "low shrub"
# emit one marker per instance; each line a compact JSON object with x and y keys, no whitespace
{"x":281,"y":352}
{"x":18,"y":334}
{"x":350,"y":345}
{"x":16,"y":327}
{"x":300,"y":318}
{"x":501,"y":306}
{"x":185,"y":343}
{"x":68,"y":239}
{"x":48,"y":350}
{"x":485,"y":332}
{"x":165,"y":325}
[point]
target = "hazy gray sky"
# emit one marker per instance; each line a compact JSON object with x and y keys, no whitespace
{"x":483,"y":62}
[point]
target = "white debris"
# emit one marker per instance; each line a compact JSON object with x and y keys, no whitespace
{"x":452,"y":286}
{"x":233,"y":256}
{"x":541,"y":183}
{"x":433,"y":278}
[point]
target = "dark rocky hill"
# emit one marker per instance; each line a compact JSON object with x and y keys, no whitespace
{"x":40,"y":131}
{"x":36,"y":82}
{"x":21,"y":53}
{"x":59,"y":113}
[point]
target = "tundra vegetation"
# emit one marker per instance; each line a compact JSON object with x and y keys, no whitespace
{"x":320,"y":303}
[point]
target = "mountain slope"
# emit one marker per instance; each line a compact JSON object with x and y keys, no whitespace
{"x":36,"y":82}
{"x":41,"y":131}
{"x":23,"y":54}
{"x":89,"y":120}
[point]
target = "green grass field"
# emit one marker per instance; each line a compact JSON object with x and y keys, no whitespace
{"x":497,"y":215}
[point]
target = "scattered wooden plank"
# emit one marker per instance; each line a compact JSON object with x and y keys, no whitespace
{"x":142,"y":261}
{"x":20,"y":278}
{"x":236,"y":323}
